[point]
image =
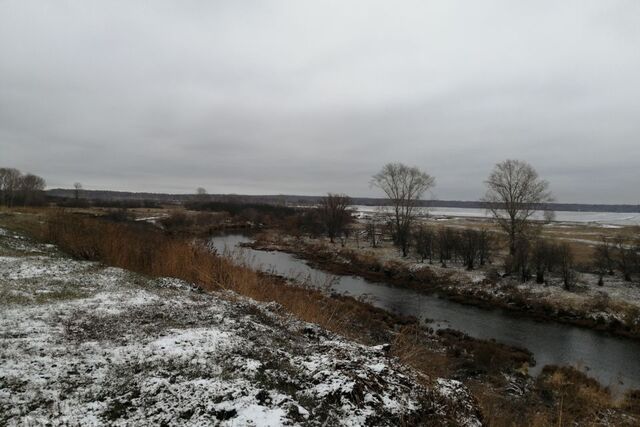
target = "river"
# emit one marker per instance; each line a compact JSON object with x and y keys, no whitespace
{"x":613,"y":361}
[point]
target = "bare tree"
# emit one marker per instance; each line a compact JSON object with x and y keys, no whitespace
{"x":520,"y":259}
{"x":335,"y":215}
{"x":4,"y":179}
{"x":16,"y":188}
{"x":469,"y":247}
{"x":485,"y":247}
{"x":31,"y":187}
{"x":9,"y":185}
{"x":201,"y":194}
{"x":372,"y":230}
{"x":515,"y":192}
{"x":424,"y":242}
{"x":404,"y":187}
{"x":77,"y":187}
{"x":603,"y":260}
{"x":565,"y":260}
{"x":446,"y":243}
{"x":624,"y":255}
{"x":541,"y":253}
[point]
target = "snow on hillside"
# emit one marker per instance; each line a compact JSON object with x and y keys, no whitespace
{"x":81,"y":343}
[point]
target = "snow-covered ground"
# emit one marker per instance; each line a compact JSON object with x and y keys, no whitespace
{"x":85,"y":344}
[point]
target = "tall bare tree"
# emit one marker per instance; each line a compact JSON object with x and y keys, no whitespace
{"x":9,"y":184}
{"x":334,"y":213}
{"x":404,"y":186}
{"x":515,"y":192}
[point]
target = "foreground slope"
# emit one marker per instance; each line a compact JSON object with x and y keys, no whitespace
{"x":86,"y":344}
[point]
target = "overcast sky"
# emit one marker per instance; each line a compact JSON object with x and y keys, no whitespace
{"x":305,"y":97}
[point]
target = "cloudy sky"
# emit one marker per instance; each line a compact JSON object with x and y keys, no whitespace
{"x":305,"y":97}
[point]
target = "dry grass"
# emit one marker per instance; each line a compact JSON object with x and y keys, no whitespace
{"x":576,"y":398}
{"x":143,"y":249}
{"x":409,"y":346}
{"x":561,"y":396}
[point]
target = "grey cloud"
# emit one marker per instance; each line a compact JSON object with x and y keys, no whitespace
{"x":301,"y":97}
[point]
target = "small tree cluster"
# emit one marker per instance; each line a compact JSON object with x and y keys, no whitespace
{"x":621,"y":254}
{"x":335,"y":215}
{"x":17,"y":189}
{"x":469,"y":247}
{"x":541,"y":257}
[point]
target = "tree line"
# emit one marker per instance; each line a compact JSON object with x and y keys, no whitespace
{"x":18,"y":189}
{"x":514,"y":195}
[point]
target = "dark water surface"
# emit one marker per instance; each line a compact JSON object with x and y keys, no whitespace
{"x":612,"y":360}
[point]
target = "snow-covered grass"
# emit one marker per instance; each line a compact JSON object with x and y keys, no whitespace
{"x":85,"y":344}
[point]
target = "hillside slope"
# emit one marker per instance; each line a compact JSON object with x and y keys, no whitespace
{"x":81,"y":343}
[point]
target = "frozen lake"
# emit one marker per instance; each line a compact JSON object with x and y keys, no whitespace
{"x":598,"y":218}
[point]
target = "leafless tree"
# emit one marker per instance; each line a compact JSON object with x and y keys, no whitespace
{"x":31,"y":187}
{"x":201,"y":194}
{"x":9,"y":185}
{"x":603,"y":260}
{"x":77,"y":188}
{"x":404,"y":186}
{"x":446,"y":243}
{"x":541,"y":252}
{"x":424,"y":242}
{"x":485,"y":244}
{"x":469,"y":247}
{"x":566,"y":263}
{"x":335,"y":215}
{"x":372,"y":229}
{"x":521,"y":258}
{"x":4,"y":178}
{"x":515,"y":192}
{"x":624,"y":255}
{"x":16,"y":188}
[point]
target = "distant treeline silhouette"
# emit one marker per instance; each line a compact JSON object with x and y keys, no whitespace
{"x":297,"y":200}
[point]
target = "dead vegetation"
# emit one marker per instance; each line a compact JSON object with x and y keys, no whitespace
{"x":490,"y":369}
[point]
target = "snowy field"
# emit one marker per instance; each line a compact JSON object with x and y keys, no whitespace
{"x":84,"y":344}
{"x":595,"y":218}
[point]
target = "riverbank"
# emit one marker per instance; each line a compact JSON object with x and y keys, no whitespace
{"x":494,"y":375}
{"x":84,"y":343}
{"x":613,"y":308}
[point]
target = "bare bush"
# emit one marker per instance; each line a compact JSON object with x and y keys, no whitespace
{"x":424,"y":243}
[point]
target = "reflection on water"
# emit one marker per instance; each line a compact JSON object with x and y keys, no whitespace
{"x":613,"y":361}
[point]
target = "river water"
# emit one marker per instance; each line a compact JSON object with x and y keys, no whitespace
{"x":612,"y":360}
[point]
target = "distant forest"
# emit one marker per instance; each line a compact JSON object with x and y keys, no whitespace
{"x":293,"y":200}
